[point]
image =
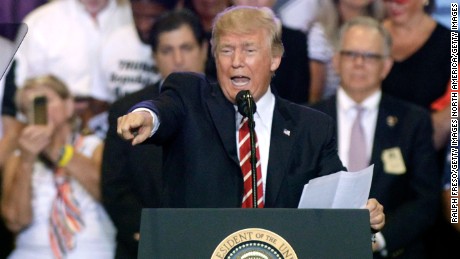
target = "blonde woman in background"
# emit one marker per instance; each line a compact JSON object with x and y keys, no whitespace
{"x":323,"y":36}
{"x":51,"y":186}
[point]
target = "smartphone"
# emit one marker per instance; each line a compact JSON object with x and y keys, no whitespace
{"x":39,"y":111}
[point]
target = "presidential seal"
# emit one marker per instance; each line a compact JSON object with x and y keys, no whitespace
{"x":254,"y":243}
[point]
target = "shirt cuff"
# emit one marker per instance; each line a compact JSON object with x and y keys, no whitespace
{"x":154,"y":119}
{"x":380,"y":240}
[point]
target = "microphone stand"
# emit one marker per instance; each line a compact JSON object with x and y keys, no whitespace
{"x":247,"y":108}
{"x":252,"y":135}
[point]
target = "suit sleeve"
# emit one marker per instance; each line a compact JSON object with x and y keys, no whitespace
{"x":169,"y":106}
{"x":329,"y":159}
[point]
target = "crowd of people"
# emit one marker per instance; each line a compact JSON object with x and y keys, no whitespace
{"x":337,"y":84}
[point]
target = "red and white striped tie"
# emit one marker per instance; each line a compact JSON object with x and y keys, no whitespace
{"x":244,"y":145}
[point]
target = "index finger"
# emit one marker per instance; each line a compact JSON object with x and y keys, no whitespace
{"x":127,"y":125}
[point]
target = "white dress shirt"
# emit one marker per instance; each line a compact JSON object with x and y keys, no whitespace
{"x":346,"y":114}
{"x":65,"y":41}
{"x":263,"y":119}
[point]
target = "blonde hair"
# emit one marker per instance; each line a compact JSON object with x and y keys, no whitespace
{"x":246,"y":20}
{"x":330,"y":20}
{"x":49,"y":81}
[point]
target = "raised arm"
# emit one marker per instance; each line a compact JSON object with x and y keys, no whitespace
{"x":17,"y":180}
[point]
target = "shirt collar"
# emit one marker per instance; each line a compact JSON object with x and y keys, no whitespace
{"x":111,"y":5}
{"x":265,"y":107}
{"x":345,"y":102}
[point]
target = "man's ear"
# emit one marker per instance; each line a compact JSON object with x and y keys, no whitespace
{"x":276,"y":61}
{"x":387,"y":65}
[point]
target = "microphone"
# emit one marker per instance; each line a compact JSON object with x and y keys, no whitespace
{"x":247,"y":107}
{"x":245,"y":103}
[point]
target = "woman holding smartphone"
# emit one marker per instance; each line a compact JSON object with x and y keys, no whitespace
{"x":51,"y":185}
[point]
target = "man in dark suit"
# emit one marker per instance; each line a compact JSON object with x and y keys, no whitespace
{"x":131,"y":176}
{"x":292,"y":79}
{"x":197,"y":124}
{"x":398,"y":139}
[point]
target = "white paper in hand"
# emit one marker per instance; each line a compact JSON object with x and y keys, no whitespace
{"x":345,"y":190}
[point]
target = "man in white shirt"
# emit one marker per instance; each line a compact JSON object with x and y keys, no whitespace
{"x":126,"y":64}
{"x":393,"y":135}
{"x":65,"y":39}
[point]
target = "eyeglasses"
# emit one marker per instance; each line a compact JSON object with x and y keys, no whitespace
{"x":397,"y":1}
{"x":366,"y":56}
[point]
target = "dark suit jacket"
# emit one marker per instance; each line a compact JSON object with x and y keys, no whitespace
{"x":411,"y":199}
{"x":198,"y":133}
{"x":131,"y":176}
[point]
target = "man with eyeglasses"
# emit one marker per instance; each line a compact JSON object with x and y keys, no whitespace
{"x":126,"y":63}
{"x":392,"y":134}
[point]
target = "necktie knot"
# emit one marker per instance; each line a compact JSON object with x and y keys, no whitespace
{"x":359,"y":111}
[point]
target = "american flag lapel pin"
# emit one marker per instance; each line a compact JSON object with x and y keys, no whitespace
{"x":287,"y":132}
{"x":392,"y":121}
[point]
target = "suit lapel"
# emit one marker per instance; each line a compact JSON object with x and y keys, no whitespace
{"x":156,"y":88}
{"x":281,"y":141}
{"x":223,"y":115}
